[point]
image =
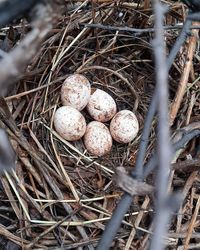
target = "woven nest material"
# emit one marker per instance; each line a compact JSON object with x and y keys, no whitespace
{"x":59,"y":194}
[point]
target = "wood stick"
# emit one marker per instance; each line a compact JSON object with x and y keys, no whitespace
{"x":184,"y":79}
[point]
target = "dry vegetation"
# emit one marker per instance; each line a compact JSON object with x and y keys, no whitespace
{"x":59,"y":195}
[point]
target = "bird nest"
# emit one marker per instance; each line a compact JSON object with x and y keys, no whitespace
{"x":59,"y":194}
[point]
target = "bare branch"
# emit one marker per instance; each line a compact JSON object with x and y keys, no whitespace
{"x":135,"y":31}
{"x":130,"y":185}
{"x":163,"y":214}
{"x":13,"y":65}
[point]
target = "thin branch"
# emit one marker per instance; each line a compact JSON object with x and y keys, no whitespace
{"x":192,"y":224}
{"x":132,"y":30}
{"x":184,"y":78}
{"x":138,"y":171}
{"x":164,"y":147}
{"x":179,"y":42}
{"x":187,"y":136}
{"x":163,"y":212}
{"x":187,"y":165}
{"x":13,"y":65}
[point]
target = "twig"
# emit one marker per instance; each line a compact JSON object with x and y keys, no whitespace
{"x":179,"y":42}
{"x":115,"y":222}
{"x":13,"y":65}
{"x":4,"y":232}
{"x":190,"y":108}
{"x":184,"y":79}
{"x":137,"y":222}
{"x":130,"y":185}
{"x":17,"y":96}
{"x":51,"y":228}
{"x":187,"y":165}
{"x":163,"y":212}
{"x":185,"y":190}
{"x":192,"y":224}
{"x":133,"y":30}
{"x":138,"y":171}
{"x":187,"y":136}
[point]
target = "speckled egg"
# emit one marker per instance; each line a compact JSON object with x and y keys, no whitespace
{"x":75,"y":91}
{"x":69,"y":123}
{"x":101,"y":106}
{"x":97,"y":139}
{"x":124,"y":126}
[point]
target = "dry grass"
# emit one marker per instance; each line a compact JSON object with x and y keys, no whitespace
{"x":59,"y":195}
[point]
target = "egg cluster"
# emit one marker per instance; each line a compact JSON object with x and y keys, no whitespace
{"x":76,"y":94}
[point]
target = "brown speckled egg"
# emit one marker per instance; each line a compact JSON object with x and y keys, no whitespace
{"x":124,"y":126}
{"x":75,"y":91}
{"x":97,"y":139}
{"x":69,"y":123}
{"x":101,"y":106}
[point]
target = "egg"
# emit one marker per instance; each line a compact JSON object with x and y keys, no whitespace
{"x":97,"y":139}
{"x":124,"y":126}
{"x":69,"y":123}
{"x":75,"y":91}
{"x":101,"y":106}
